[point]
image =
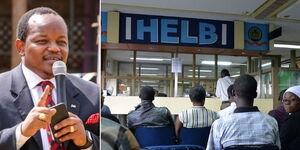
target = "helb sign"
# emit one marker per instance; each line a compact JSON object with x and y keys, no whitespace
{"x":145,"y":29}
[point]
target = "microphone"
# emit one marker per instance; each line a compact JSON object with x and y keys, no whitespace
{"x":59,"y":70}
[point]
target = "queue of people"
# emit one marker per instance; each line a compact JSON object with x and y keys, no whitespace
{"x":240,"y":124}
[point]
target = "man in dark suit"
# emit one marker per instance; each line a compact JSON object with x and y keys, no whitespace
{"x":42,"y":39}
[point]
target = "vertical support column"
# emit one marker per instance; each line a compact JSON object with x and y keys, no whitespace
{"x":249,"y":64}
{"x":132,"y":91}
{"x":275,"y":80}
{"x":216,"y":67}
{"x":103,"y":54}
{"x":260,"y":77}
{"x":18,"y":9}
{"x":293,"y":59}
{"x":194,"y":69}
{"x":172,"y":81}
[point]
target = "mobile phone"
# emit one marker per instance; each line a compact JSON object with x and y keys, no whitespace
{"x":61,"y":114}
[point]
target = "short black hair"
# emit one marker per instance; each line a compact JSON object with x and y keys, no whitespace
{"x":22,"y":27}
{"x":225,"y":73}
{"x":245,"y":86}
{"x":147,"y":93}
{"x":281,"y":95}
{"x":197,"y":94}
{"x":230,"y":90}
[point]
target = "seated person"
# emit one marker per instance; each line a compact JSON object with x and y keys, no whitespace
{"x":290,"y":128}
{"x":146,"y":114}
{"x":246,"y":125}
{"x":197,"y":116}
{"x":115,"y":136}
{"x":106,"y":114}
{"x":228,"y":110}
{"x":279,"y":114}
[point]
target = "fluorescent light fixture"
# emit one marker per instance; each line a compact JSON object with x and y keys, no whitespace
{"x":201,"y":70}
{"x":236,"y":75}
{"x":222,"y":63}
{"x":149,"y":81}
{"x":190,"y":76}
{"x":287,"y":46}
{"x":151,"y":59}
{"x":266,"y":64}
{"x":89,"y":76}
{"x":144,"y":68}
{"x":285,"y":65}
{"x":149,"y":74}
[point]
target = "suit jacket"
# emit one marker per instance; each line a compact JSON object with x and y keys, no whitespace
{"x":16,"y":102}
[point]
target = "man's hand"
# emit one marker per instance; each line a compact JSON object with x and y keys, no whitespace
{"x":71,"y":129}
{"x":38,"y":117}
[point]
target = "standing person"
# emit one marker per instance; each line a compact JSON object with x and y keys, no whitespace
{"x":146,"y":114}
{"x":197,"y":116}
{"x":230,"y":109}
{"x":290,"y":128}
{"x":42,"y":39}
{"x":247,"y":125}
{"x":279,"y":114}
{"x":221,"y":90}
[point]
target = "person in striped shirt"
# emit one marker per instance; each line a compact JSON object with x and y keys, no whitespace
{"x":197,"y":116}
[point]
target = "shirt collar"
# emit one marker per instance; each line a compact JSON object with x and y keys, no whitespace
{"x":246,"y":109}
{"x":33,"y":79}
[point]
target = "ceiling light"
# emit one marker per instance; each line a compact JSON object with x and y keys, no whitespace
{"x":147,"y":68}
{"x":266,"y":64}
{"x":287,"y":46}
{"x":201,"y":70}
{"x":190,"y":76}
{"x":236,"y":75}
{"x":149,"y":74}
{"x":151,"y":59}
{"x":149,"y":81}
{"x":222,"y":63}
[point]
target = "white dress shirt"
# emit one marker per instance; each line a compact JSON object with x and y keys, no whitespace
{"x":36,"y":92}
{"x":222,"y":86}
{"x":228,"y":110}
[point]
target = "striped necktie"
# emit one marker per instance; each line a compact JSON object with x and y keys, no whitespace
{"x":49,"y":102}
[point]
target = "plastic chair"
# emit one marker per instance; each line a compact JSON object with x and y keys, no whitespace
{"x":252,"y":147}
{"x":176,"y":147}
{"x":154,"y":136}
{"x":194,"y":136}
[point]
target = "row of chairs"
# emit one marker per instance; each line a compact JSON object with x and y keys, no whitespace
{"x":162,"y":138}
{"x":156,"y":136}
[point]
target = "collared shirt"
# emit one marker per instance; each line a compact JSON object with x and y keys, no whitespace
{"x":146,"y":114}
{"x":36,"y":92}
{"x":228,"y":110}
{"x":246,"y":126}
{"x":197,"y":117}
{"x":222,"y":86}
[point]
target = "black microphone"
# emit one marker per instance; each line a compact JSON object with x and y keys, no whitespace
{"x":59,"y":70}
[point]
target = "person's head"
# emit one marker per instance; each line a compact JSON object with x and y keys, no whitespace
{"x":244,"y":89}
{"x":280,"y":97}
{"x":147,"y":93}
{"x":230,"y":92}
{"x":224,"y":73}
{"x":291,"y":99}
{"x":197,"y":95}
{"x":42,"y":39}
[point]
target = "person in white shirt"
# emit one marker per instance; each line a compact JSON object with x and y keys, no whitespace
{"x":222,"y":85}
{"x":229,"y":110}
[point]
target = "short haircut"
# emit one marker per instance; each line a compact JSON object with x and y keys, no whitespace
{"x":147,"y":93}
{"x":245,"y":86}
{"x":225,"y":72}
{"x":197,"y":94}
{"x":281,"y":95}
{"x":230,"y":90}
{"x":22,"y":27}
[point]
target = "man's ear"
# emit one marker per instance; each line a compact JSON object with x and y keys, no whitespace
{"x":20,"y":45}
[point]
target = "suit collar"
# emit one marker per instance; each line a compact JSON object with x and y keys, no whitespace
{"x":23,"y":100}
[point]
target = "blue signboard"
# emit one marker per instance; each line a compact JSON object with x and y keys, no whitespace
{"x":256,"y":36}
{"x":146,"y":29}
{"x":103,"y":26}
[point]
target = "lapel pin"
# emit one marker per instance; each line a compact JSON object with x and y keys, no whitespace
{"x":73,"y":106}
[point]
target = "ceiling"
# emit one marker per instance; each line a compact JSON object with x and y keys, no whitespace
{"x":281,"y":13}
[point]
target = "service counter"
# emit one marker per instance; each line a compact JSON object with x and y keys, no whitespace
{"x":121,"y":105}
